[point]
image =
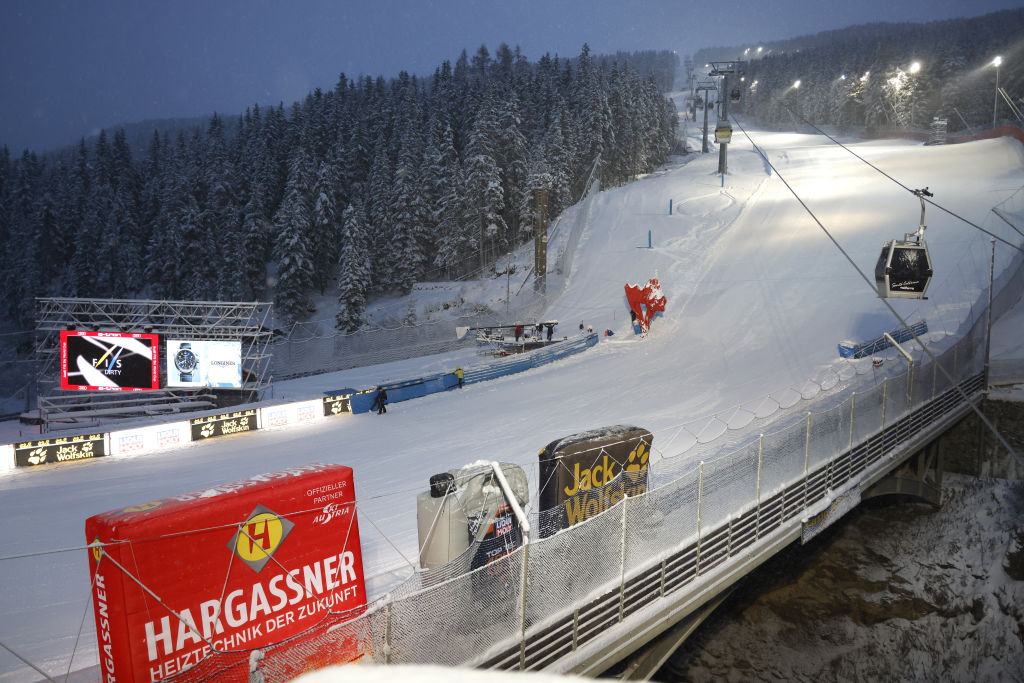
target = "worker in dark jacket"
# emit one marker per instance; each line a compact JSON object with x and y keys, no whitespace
{"x":380,"y":401}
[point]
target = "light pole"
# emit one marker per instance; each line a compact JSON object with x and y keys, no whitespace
{"x":995,"y":98}
{"x":914,"y":68}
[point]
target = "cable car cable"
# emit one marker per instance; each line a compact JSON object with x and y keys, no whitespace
{"x":938,"y":206}
{"x":885,"y":301}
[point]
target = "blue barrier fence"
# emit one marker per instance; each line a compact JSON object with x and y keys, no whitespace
{"x":404,"y":390}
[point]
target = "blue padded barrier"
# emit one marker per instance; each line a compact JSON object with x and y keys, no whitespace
{"x":404,"y":390}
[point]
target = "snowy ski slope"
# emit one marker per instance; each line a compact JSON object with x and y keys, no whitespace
{"x":758,"y":298}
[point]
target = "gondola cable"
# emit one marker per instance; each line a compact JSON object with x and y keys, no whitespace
{"x":923,"y":199}
{"x":991,"y":427}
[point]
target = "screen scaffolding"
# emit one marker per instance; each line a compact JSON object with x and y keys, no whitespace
{"x":249,"y":323}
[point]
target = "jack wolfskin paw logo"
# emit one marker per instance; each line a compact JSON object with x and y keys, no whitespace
{"x":638,"y":458}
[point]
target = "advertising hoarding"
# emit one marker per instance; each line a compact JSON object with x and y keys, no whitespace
{"x":151,"y":438}
{"x":204,"y":363}
{"x":584,"y":474}
{"x":109,"y":361}
{"x":337,"y":403}
{"x":236,"y":567}
{"x":59,"y":449}
{"x":289,"y":414}
{"x":224,"y":424}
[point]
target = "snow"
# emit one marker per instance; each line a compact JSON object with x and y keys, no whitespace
{"x":757,"y":299}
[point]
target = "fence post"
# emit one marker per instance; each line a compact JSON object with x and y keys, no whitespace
{"x":622,"y":561}
{"x":522,"y":606}
{"x":760,"y":457}
{"x":700,"y":505}
{"x":807,"y":456}
{"x":387,"y":631}
{"x":853,"y":417}
{"x":910,"y":388}
{"x":885,"y":388}
{"x":575,"y":628}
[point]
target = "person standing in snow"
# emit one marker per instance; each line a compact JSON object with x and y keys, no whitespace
{"x":519,"y":332}
{"x":459,"y":374}
{"x":380,"y":401}
{"x":551,"y":329}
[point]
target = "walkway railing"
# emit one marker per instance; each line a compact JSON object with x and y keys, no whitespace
{"x":553,"y":603}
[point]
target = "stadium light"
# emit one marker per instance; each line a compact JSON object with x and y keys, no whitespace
{"x":995,"y":97}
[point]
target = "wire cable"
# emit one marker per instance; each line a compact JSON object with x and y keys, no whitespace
{"x":914,"y":192}
{"x":888,"y":305}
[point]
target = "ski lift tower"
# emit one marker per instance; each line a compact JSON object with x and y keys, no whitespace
{"x":723,"y":131}
{"x":706,"y":86}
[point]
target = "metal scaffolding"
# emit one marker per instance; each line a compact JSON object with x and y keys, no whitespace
{"x":246,"y":322}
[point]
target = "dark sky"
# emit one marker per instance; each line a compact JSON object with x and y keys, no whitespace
{"x":69,"y":68}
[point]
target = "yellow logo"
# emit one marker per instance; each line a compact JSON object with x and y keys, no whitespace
{"x":599,"y":474}
{"x":97,"y":551}
{"x":638,"y":458}
{"x":259,"y":537}
{"x":143,"y":507}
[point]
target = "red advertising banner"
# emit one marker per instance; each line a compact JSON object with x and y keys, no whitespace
{"x":109,"y":361}
{"x":231,"y":568}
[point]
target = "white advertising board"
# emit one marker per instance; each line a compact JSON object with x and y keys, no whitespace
{"x":291,"y":414}
{"x":204,"y":363}
{"x":151,"y":438}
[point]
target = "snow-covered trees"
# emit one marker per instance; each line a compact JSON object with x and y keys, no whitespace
{"x":353,"y":270}
{"x":887,"y":76}
{"x":364,"y":188}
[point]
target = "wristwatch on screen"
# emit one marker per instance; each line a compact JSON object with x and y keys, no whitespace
{"x":186,"y":361}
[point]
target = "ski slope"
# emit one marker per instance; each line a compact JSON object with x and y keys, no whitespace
{"x":758,"y":298}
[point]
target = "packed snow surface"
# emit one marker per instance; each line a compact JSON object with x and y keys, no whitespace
{"x":758,"y":298}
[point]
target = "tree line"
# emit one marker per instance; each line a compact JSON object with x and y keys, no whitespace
{"x":864,"y":77}
{"x":363,"y":189}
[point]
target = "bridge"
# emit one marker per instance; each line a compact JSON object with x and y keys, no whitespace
{"x":601,"y":593}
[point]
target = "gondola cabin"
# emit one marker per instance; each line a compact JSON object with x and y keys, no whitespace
{"x":723,"y":132}
{"x":904,"y":269}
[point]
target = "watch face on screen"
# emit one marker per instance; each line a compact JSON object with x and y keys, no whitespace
{"x":185,"y":360}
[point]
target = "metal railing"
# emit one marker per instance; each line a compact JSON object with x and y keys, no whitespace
{"x":556,"y":603}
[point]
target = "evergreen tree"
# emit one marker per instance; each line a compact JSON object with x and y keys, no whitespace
{"x":354,"y":270}
{"x":325,"y":236}
{"x":293,"y":247}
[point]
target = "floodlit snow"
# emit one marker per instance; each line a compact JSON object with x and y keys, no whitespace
{"x":758,"y":297}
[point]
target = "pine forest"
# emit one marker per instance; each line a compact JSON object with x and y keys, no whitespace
{"x":360,"y":190}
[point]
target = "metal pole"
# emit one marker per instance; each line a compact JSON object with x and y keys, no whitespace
{"x":704,"y":141}
{"x":522,"y":607}
{"x":700,"y":504}
{"x":807,"y":455}
{"x":885,"y":389}
{"x":988,"y":324}
{"x":622,"y":562}
{"x":760,"y":457}
{"x":723,"y":146}
{"x":995,"y":98}
{"x":853,"y":416}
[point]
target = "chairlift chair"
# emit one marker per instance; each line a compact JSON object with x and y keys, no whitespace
{"x":723,"y":132}
{"x":904,"y":268}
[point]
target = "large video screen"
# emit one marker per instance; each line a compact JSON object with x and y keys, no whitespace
{"x":204,"y":363}
{"x":109,"y":361}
